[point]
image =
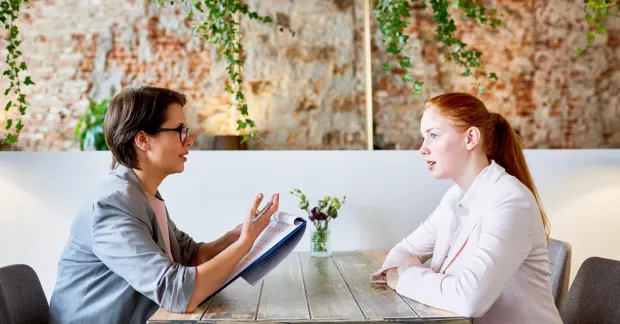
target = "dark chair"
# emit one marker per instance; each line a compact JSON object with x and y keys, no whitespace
{"x":594,"y":296}
{"x":22,"y":299}
{"x":560,"y":257}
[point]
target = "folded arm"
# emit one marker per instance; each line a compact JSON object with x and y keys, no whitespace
{"x":505,"y":240}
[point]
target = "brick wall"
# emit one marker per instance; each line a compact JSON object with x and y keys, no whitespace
{"x":308,"y":91}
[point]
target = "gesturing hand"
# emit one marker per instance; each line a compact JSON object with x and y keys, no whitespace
{"x":250,"y":231}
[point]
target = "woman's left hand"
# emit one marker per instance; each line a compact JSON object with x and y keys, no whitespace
{"x":392,"y":278}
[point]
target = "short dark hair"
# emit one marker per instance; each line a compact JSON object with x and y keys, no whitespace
{"x":131,"y":111}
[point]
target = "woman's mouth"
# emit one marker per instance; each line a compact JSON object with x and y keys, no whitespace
{"x":431,"y":165}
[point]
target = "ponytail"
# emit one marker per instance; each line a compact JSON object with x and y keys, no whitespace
{"x":507,"y":151}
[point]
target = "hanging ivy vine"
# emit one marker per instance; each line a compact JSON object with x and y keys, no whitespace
{"x":217,"y":22}
{"x":598,"y":13}
{"x":392,"y":17}
{"x":9,"y":11}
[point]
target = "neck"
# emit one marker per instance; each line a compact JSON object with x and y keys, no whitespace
{"x":475,"y":165}
{"x":149,"y":179}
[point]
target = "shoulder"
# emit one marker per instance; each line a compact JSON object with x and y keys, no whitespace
{"x":509,"y":204}
{"x":509,"y":190}
{"x":120,"y":195}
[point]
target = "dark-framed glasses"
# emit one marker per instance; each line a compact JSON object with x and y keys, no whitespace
{"x":183,"y":131}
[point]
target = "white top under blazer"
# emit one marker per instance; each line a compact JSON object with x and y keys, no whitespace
{"x":494,"y":267}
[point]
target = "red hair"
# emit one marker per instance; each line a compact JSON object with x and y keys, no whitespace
{"x":500,"y":141}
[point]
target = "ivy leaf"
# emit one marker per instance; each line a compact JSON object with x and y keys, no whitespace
{"x":418,"y":85}
{"x":493,"y":76}
{"x":241,"y":125}
{"x":23,"y":66}
{"x":579,"y":51}
{"x":591,"y":38}
{"x":9,"y":139}
{"x":386,"y":67}
{"x":481,"y":90}
{"x":28,"y":81}
{"x":8,"y":105}
{"x":407,"y":77}
{"x":405,"y":62}
{"x":9,"y":123}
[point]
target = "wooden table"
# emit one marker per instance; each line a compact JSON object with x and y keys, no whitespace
{"x":307,"y":289}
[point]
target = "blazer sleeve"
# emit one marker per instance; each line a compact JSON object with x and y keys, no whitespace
{"x":123,"y":243}
{"x":417,"y":247}
{"x":506,"y":237}
{"x":187,"y":246}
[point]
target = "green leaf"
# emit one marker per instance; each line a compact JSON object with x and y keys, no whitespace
{"x":23,"y":66}
{"x":601,"y":29}
{"x":387,"y":67}
{"x":579,"y":51}
{"x":8,"y":105}
{"x":28,"y":81}
{"x":591,"y":38}
{"x":466,"y":73}
{"x":9,"y":139}
{"x":418,"y":85}
{"x":492,"y":75}
{"x":244,"y":109}
{"x":481,"y":89}
{"x":241,"y":125}
{"x":9,"y":123}
{"x":407,"y":77}
{"x":405,"y":62}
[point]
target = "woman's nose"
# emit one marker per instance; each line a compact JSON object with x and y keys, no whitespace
{"x":189,"y":141}
{"x":424,"y":150}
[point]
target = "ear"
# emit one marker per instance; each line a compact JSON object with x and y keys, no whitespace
{"x":142,"y":141}
{"x":472,"y":138}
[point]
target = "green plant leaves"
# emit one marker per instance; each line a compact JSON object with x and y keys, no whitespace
{"x":89,"y":130}
{"x":9,"y":11}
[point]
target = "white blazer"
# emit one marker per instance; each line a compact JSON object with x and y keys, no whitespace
{"x":497,"y":270}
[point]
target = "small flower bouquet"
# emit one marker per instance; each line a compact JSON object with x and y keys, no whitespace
{"x":320,"y":216}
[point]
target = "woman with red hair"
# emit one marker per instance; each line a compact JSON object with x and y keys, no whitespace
{"x":488,"y":236}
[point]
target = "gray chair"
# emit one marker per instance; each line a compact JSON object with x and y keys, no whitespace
{"x":594,"y":296}
{"x":22,"y":299}
{"x":560,"y":257}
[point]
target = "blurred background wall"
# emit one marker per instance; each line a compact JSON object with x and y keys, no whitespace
{"x":308,"y":91}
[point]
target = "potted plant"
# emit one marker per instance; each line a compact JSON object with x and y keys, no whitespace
{"x":89,"y":130}
{"x":320,"y":216}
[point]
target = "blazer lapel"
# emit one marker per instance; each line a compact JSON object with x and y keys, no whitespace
{"x":470,"y":223}
{"x":442,"y":244}
{"x":494,"y":172}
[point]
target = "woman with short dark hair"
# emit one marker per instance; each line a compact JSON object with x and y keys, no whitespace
{"x":125,"y":257}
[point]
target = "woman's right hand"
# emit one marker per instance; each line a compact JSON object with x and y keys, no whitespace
{"x":250,"y":231}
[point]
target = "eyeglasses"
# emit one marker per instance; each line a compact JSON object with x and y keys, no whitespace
{"x":182,"y":130}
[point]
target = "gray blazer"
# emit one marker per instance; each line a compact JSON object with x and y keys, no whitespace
{"x":114,"y":268}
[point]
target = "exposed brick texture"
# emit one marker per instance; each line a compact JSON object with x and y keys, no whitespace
{"x":308,"y":91}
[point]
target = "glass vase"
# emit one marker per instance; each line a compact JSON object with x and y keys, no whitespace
{"x":320,"y":244}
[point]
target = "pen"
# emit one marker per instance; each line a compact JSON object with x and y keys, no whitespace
{"x":261,"y":212}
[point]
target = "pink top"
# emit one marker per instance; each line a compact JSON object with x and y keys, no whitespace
{"x":162,"y":219}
